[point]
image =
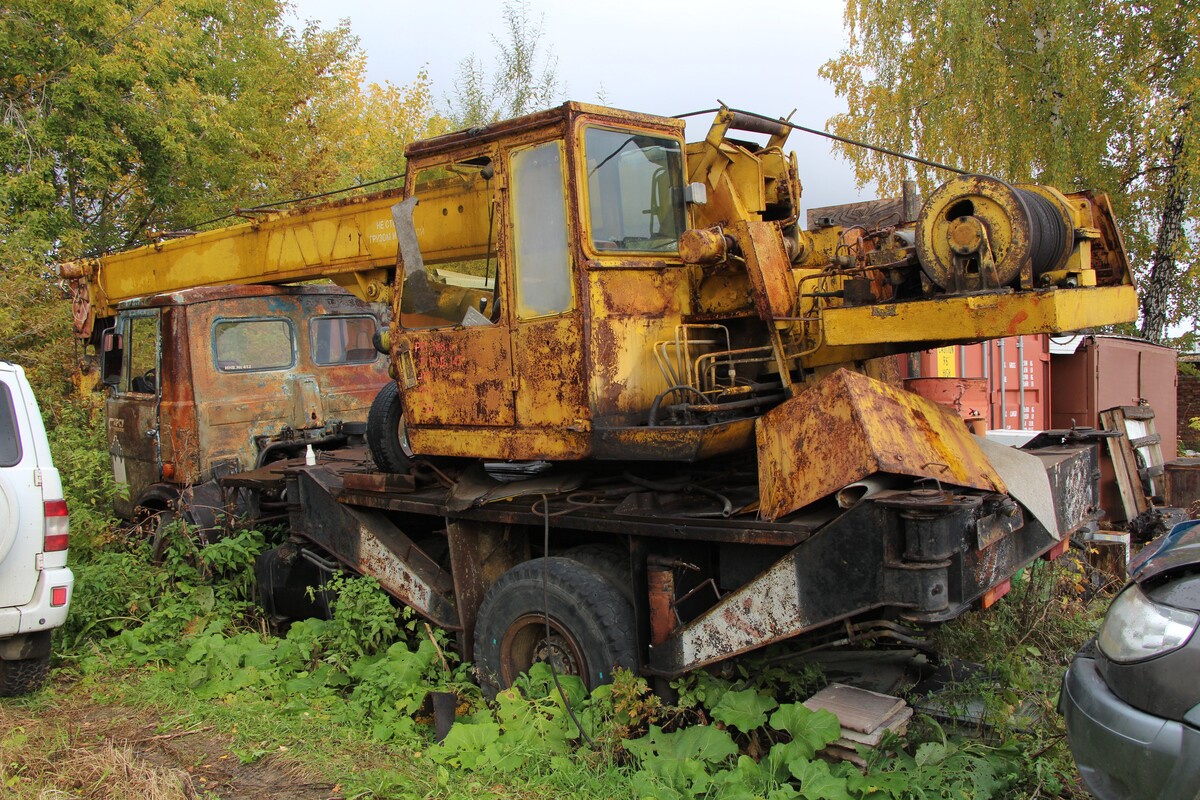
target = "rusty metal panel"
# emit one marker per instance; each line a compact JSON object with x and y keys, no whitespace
{"x":628,"y":310}
{"x":849,"y":427}
{"x":234,"y":411}
{"x":769,"y":269}
{"x":464,"y":377}
{"x":548,"y":355}
{"x":500,"y":442}
{"x":974,"y":317}
{"x":673,"y":443}
{"x":368,"y":543}
{"x":480,"y":552}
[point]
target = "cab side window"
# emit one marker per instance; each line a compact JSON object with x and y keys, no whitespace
{"x":457,"y":229}
{"x":10,"y":434}
{"x":342,"y":340}
{"x":141,"y":355}
{"x":543,"y":259}
{"x":253,"y":345}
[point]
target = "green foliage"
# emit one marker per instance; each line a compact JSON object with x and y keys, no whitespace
{"x":189,"y":629}
{"x":744,"y":710}
{"x":370,"y":669}
{"x":75,"y":429}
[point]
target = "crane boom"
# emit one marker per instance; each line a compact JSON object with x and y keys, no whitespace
{"x":351,"y":242}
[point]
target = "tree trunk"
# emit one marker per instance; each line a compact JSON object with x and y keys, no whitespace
{"x":1164,"y":272}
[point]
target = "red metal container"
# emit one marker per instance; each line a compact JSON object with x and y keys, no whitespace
{"x":967,"y":396}
{"x":1013,"y":374}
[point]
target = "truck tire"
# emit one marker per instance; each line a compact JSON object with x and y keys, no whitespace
{"x":609,"y":562}
{"x":386,"y":437}
{"x":24,"y":675}
{"x":591,"y":624}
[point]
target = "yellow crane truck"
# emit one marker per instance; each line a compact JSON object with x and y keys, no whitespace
{"x":636,"y":415}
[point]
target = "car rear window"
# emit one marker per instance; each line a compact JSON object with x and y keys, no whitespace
{"x":10,"y":434}
{"x":251,"y":345}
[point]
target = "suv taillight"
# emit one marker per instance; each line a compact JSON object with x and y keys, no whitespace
{"x":58,"y":526}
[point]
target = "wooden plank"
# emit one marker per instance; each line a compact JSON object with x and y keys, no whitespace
{"x":1136,"y":412}
{"x":897,"y":723}
{"x":1133,"y":496}
{"x":869,"y":214}
{"x":856,"y":709}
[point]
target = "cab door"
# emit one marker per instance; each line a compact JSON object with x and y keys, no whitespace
{"x":132,"y":407}
{"x":547,"y":335}
{"x":455,"y":327}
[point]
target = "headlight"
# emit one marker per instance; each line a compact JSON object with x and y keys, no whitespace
{"x":1136,"y":629}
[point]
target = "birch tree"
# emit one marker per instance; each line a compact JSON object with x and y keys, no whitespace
{"x":1075,"y":93}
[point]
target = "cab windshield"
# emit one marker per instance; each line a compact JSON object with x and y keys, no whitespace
{"x":635,"y":191}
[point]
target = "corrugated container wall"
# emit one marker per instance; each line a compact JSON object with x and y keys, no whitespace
{"x":1005,"y":382}
{"x":1108,"y":371}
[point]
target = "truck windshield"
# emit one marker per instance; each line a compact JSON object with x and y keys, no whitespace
{"x":635,"y":191}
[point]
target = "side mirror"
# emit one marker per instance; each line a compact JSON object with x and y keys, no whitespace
{"x":112,"y":347}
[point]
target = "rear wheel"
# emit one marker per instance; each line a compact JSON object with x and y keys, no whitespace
{"x":609,"y":562}
{"x":591,"y":624}
{"x":387,"y":438}
{"x":24,"y":675}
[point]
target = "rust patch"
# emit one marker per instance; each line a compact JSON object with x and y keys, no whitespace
{"x":464,"y":377}
{"x":1015,"y":324}
{"x":849,"y":427}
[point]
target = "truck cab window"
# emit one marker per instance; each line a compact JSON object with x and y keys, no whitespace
{"x":342,"y":340}
{"x":141,"y":355}
{"x":250,"y":345}
{"x":457,"y":230}
{"x":543,"y":260}
{"x":635,"y":191}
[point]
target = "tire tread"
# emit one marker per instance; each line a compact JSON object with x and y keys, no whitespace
{"x":592,"y":594}
{"x":23,"y":676}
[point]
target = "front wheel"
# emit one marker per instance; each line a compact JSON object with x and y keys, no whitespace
{"x":591,"y":624}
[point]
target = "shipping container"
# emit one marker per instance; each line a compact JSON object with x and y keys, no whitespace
{"x":1005,"y":382}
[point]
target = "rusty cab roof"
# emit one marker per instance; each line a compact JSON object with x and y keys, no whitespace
{"x":562,"y":114}
{"x":209,"y":294}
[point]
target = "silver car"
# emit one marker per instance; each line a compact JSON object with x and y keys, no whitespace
{"x":1131,"y":697}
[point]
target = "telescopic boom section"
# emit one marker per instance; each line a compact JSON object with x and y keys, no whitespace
{"x":351,"y":242}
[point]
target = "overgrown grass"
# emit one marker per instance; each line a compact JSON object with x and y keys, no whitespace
{"x":344,"y":701}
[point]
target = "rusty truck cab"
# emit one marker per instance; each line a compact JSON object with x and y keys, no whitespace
{"x":546,"y":318}
{"x":211,"y":381}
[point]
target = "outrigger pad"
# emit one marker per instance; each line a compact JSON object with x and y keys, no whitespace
{"x":848,"y":427}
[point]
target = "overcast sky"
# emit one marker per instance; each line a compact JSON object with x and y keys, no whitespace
{"x":655,"y":56}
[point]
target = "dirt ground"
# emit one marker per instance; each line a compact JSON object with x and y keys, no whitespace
{"x":75,"y":747}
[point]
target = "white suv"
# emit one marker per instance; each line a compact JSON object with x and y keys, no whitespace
{"x":35,"y":583}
